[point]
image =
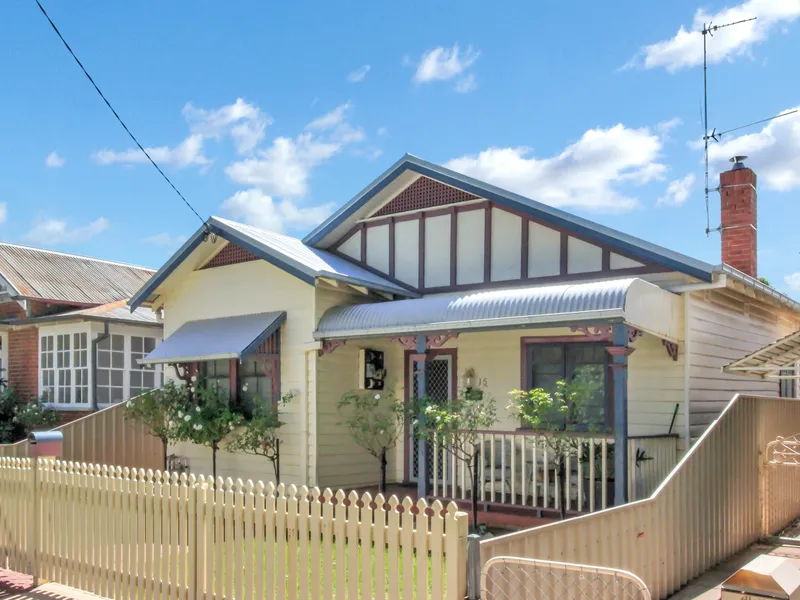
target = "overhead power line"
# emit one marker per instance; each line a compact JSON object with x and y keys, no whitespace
{"x":111,"y":108}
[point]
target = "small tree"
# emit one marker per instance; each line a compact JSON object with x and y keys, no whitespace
{"x":205,"y":422}
{"x":455,"y":425}
{"x":376,"y":421}
{"x":259,"y":435}
{"x":155,"y":410}
{"x":18,"y":416}
{"x":558,"y":415}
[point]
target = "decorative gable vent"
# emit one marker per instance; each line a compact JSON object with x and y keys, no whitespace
{"x":230,"y":255}
{"x":423,"y":193}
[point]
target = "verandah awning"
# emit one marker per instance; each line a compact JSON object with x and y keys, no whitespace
{"x":633,"y":301}
{"x":771,"y":360}
{"x":214,"y":339}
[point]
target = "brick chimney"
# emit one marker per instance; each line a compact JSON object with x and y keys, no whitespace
{"x":738,"y":225}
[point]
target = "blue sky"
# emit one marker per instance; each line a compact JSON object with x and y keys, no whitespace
{"x":276,"y":113}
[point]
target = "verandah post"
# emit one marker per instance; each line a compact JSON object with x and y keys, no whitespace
{"x":422,"y":391}
{"x":619,"y":352}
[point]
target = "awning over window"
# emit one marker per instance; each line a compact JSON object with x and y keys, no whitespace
{"x":633,"y":301}
{"x":213,"y":339}
{"x":777,"y":360}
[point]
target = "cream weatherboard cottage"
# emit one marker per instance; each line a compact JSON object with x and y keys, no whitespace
{"x":451,"y":283}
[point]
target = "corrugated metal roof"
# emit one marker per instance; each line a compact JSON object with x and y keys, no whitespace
{"x":117,"y":312}
{"x":313,"y":262}
{"x":496,"y":308}
{"x":56,"y":276}
{"x":215,"y":339}
{"x":770,"y":359}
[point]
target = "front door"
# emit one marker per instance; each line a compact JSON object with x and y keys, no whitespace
{"x":441,"y":387}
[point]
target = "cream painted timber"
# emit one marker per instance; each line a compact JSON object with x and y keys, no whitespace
{"x":583,"y":257}
{"x":352,"y":246}
{"x":617,"y":261}
{"x":437,"y":251}
{"x":378,"y":247}
{"x":544,"y":251}
{"x":406,"y":252}
{"x":470,"y":247}
{"x":506,"y":260}
{"x":725,"y":326}
{"x":241,"y":289}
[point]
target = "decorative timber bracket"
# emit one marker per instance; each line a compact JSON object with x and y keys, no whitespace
{"x":602,"y":333}
{"x":329,"y":346}
{"x":672,"y":349}
{"x":437,"y":340}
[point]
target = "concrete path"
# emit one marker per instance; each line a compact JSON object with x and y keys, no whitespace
{"x":16,"y":586}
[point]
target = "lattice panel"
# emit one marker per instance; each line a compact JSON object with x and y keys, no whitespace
{"x":438,"y":383}
{"x":423,"y":193}
{"x":230,"y":255}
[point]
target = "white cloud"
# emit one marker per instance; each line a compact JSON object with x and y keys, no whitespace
{"x":244,"y":122}
{"x":664,"y":128}
{"x":331,"y":119}
{"x":256,"y":208}
{"x":773,"y":153}
{"x":3,"y":212}
{"x":467,"y":84}
{"x":793,"y":281}
{"x":442,"y":64}
{"x":382,"y":131}
{"x":57,"y":231}
{"x":586,"y":174}
{"x":165,"y":239}
{"x":685,"y":48}
{"x":54,"y":161}
{"x":284,"y":168}
{"x":188,"y":153}
{"x":678,"y":191}
{"x":359,"y":74}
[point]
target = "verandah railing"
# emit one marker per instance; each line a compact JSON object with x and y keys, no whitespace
{"x":517,"y":469}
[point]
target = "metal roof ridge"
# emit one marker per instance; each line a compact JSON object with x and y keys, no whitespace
{"x":80,"y":256}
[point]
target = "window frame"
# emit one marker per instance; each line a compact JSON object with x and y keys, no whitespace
{"x":67,"y":379}
{"x":527,"y":343}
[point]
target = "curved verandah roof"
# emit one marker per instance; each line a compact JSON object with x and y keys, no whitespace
{"x":633,"y":301}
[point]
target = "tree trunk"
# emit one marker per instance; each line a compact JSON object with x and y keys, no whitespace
{"x":277,"y":462}
{"x":214,"y":446}
{"x":383,"y":471}
{"x":562,"y":475}
{"x":164,"y":442}
{"x":474,"y":477}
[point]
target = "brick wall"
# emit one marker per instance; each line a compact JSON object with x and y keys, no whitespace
{"x":738,"y":220}
{"x":11,"y":310}
{"x":23,"y":361}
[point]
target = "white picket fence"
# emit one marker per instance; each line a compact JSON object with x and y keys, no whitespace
{"x":133,"y":534}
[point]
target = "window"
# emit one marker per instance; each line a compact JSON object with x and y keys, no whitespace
{"x":142,"y":378}
{"x":256,"y":385}
{"x":217,"y":373}
{"x":47,"y":367}
{"x":80,"y":363}
{"x":63,"y":371}
{"x":546,"y":364}
{"x":787,"y":386}
{"x":111,"y":369}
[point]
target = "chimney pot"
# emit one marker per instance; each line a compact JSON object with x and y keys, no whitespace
{"x":738,"y":162}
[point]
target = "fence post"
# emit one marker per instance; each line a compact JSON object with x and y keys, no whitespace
{"x":192,"y":545}
{"x":37,"y":513}
{"x":474,"y":566}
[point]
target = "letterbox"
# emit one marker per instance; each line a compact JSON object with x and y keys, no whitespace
{"x":45,"y":443}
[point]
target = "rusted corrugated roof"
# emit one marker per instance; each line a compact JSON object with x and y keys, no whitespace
{"x":60,"y":277}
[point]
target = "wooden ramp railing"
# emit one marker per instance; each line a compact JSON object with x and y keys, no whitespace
{"x":105,"y":437}
{"x":720,"y":498}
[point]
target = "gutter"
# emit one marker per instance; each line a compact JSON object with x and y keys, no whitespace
{"x":78,"y":318}
{"x":96,"y":342}
{"x":477,"y":324}
{"x":720,"y":280}
{"x":757,"y":285}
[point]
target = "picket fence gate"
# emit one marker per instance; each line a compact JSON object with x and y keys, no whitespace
{"x":126,"y":533}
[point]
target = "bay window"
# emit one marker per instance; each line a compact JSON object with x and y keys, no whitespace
{"x":111,"y":369}
{"x":584,"y":364}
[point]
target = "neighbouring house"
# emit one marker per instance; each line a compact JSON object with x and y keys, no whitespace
{"x":66,"y":333}
{"x":438,"y":282}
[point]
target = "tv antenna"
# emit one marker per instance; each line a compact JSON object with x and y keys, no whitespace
{"x":708,"y":30}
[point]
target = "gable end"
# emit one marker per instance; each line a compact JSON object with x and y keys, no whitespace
{"x":231,"y":254}
{"x":423,"y":193}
